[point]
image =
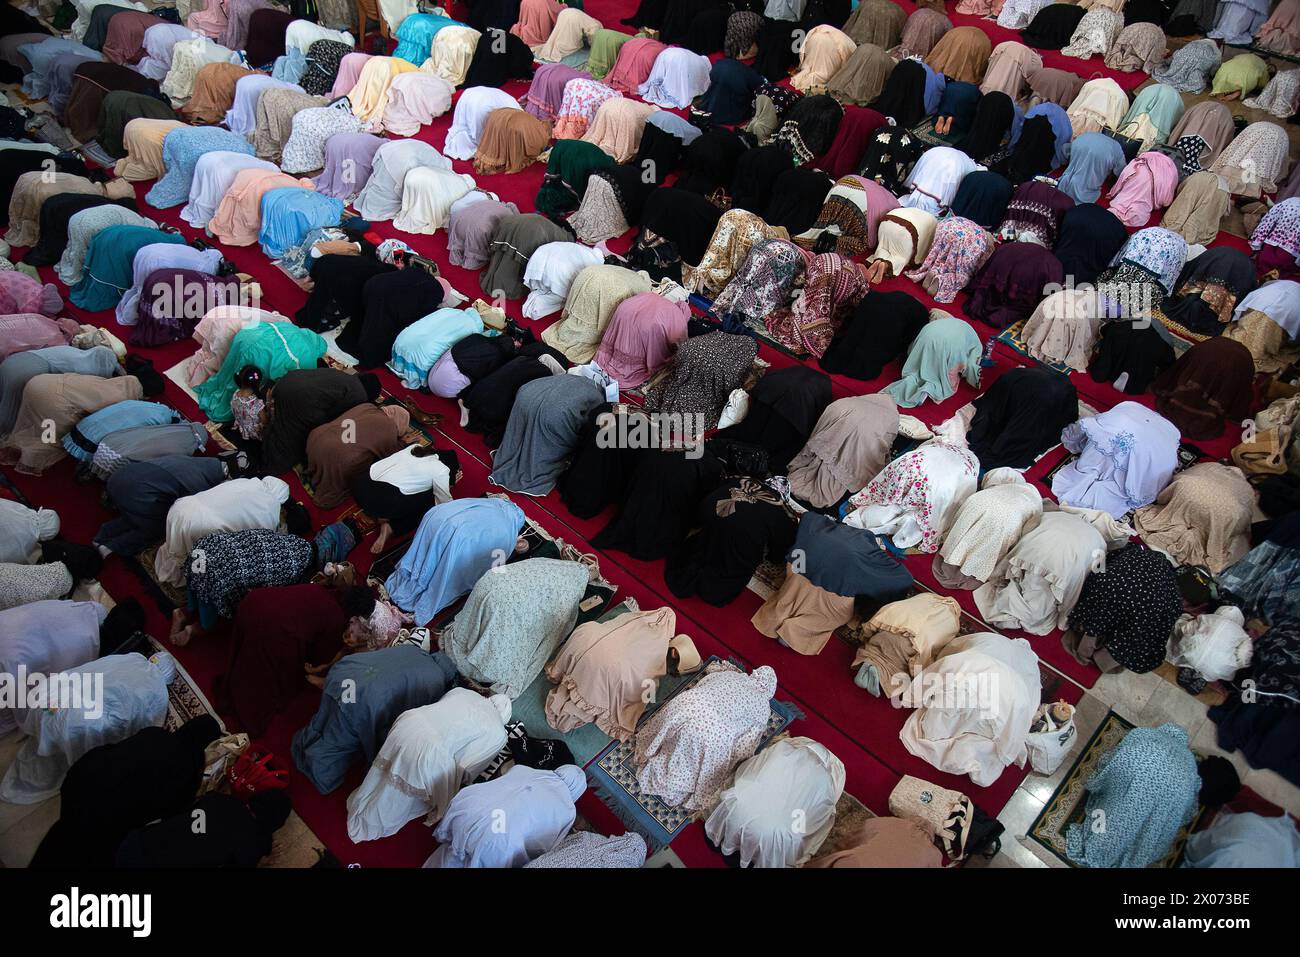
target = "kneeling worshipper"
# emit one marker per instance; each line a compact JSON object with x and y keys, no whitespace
{"x":902,"y":638}
{"x":831,"y":569}
{"x":20,"y":293}
{"x":740,"y":525}
{"x":23,"y":331}
{"x":235,"y":834}
{"x":231,"y":564}
{"x":61,"y":400}
{"x":891,"y":842}
{"x":793,"y":780}
{"x":586,"y":849}
{"x":21,"y":367}
{"x":114,"y":788}
{"x":1148,"y":789}
{"x":544,"y":428}
{"x":53,"y":636}
{"x":603,"y":671}
{"x":275,"y":632}
{"x":363,"y":695}
{"x":513,"y":621}
{"x":701,"y":375}
{"x":134,"y":696}
{"x":226,"y":506}
{"x":593,"y":299}
{"x":1245,"y":840}
{"x":642,"y":334}
{"x":430,"y":753}
{"x":946,"y":351}
{"x":1266,"y":321}
{"x":455,"y":546}
{"x":783,"y":409}
{"x":22,"y":530}
{"x":1036,"y":586}
{"x":1211,"y":384}
{"x":340,"y":451}
{"x":883,"y":326}
{"x":1213,"y":646}
{"x":1125,"y":456}
{"x":1263,"y":582}
{"x":144,"y":492}
{"x":663,"y":487}
{"x":1021,"y":417}
{"x":688,"y":748}
{"x":83,"y":440}
{"x":1202,"y":517}
{"x":986,"y":527}
{"x":1276,"y":241}
{"x":486,"y":403}
{"x":1126,"y":612}
{"x":915,"y":497}
{"x":848,"y":447}
{"x":398,"y":490}
{"x":1064,"y":327}
{"x":974,"y":704}
{"x":302,"y":399}
{"x":539,"y":806}
{"x":61,"y":570}
{"x":271,"y":348}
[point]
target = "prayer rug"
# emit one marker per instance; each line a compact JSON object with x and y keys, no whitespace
{"x":184,"y":699}
{"x":613,"y":774}
{"x":1068,"y":804}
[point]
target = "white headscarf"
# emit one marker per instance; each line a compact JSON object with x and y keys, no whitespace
{"x":232,"y":506}
{"x":22,"y":529}
{"x":551,"y":271}
{"x":427,"y":195}
{"x":472,"y":111}
{"x":213,"y":175}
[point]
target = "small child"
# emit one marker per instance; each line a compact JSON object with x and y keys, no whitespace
{"x":248,"y":403}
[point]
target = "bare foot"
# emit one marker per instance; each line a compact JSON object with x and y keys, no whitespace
{"x":178,"y":623}
{"x":182,"y":638}
{"x":316,"y":681}
{"x":385,"y":530}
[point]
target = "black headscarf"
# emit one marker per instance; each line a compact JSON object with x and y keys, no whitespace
{"x":598,"y":472}
{"x":1033,"y":152}
{"x":630,"y":188}
{"x":1088,"y":240}
{"x":97,"y":29}
{"x":1021,"y":416}
{"x":994,"y":115}
{"x":266,"y":30}
{"x":730,"y":96}
{"x":1053,"y":26}
{"x":739,"y":525}
{"x":116,"y":787}
{"x":756,"y":175}
{"x":478,"y":356}
{"x":903,"y":97}
{"x":817,"y":119}
{"x":56,"y":211}
{"x":323,"y":59}
{"x":1221,"y":266}
{"x":489,"y":67}
{"x":235,"y":834}
{"x":797,"y":197}
{"x":393,"y":300}
{"x":776,"y":49}
{"x":708,"y":29}
{"x":1137,"y":350}
{"x":982,"y":197}
{"x":121,"y":107}
{"x":662,"y":492}
{"x":710,"y":161}
{"x":649,"y":13}
{"x":92,"y":82}
{"x":683,"y":218}
{"x":337,"y":284}
{"x":1130,"y":606}
{"x":784,"y":407}
{"x":490,"y":400}
{"x":483,"y":15}
{"x":881,"y":329}
{"x":659,"y":153}
{"x":1146,"y":11}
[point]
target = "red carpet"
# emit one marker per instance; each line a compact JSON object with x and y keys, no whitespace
{"x":861,"y":730}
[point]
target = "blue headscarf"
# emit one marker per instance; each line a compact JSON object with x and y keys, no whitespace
{"x":290,"y":213}
{"x":457,"y":543}
{"x":181,"y":151}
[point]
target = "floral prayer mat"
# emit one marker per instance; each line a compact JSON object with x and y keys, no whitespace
{"x":614,"y":775}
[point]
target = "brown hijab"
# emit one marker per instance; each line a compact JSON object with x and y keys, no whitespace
{"x":511,"y":141}
{"x":339,"y":451}
{"x":214,"y":92}
{"x":961,"y":54}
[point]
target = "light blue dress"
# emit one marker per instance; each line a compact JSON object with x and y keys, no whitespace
{"x":456,"y":544}
{"x":80,"y":443}
{"x":181,"y":151}
{"x":422,"y":343}
{"x":290,"y":213}
{"x":1141,"y":795}
{"x":1094,"y":158}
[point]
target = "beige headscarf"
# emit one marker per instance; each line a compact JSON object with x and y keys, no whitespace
{"x":510,"y":142}
{"x":62,"y":400}
{"x":214,"y":92}
{"x":593,"y":297}
{"x":962,"y":54}
{"x":1198,"y":208}
{"x":618,"y":126}
{"x":848,"y":446}
{"x":824,"y":51}
{"x":862,"y":76}
{"x":1202,"y":517}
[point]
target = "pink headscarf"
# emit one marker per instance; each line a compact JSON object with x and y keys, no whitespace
{"x":642,"y":334}
{"x":1148,"y":183}
{"x":21,"y":293}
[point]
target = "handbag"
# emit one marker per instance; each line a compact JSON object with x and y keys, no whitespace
{"x":946,"y":814}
